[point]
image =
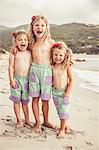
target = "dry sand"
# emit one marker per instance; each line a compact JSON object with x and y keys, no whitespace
{"x":84,"y":121}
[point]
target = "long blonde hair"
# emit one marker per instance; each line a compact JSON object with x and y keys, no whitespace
{"x":31,"y":33}
{"x":68,"y":60}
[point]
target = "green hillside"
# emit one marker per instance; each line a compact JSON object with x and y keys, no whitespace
{"x":81,"y":38}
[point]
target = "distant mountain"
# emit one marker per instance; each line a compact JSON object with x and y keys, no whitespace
{"x":3,"y":27}
{"x":53,"y":25}
{"x":81,"y":38}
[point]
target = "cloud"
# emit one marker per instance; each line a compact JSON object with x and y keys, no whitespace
{"x":14,"y":13}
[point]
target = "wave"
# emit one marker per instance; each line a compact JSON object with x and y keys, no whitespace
{"x":91,"y":79}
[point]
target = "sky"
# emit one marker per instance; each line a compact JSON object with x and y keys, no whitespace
{"x":18,"y":12}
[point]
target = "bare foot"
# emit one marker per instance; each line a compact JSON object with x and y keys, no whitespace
{"x":67,"y":130}
{"x":19,"y":125}
{"x":37,"y":128}
{"x":49,"y":125}
{"x":61,"y":134}
{"x":28,"y":123}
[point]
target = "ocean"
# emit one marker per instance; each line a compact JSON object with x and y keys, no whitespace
{"x":88,"y":71}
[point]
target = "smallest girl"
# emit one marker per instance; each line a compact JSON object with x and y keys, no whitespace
{"x":19,"y":66}
{"x":62,"y":62}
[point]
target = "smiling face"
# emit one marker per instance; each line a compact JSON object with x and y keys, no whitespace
{"x":22,"y":42}
{"x":39,"y":28}
{"x":58,"y":55}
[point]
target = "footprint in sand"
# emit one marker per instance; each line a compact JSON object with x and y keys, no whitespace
{"x":9,"y":133}
{"x":24,"y":132}
{"x":94,"y":119}
{"x":6,"y":119}
{"x":74,"y":132}
{"x":4,"y":92}
{"x":69,"y":148}
{"x":89,"y":143}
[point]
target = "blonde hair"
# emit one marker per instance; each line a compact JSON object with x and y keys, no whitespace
{"x":18,"y":33}
{"x":68,"y":60}
{"x":31,"y":33}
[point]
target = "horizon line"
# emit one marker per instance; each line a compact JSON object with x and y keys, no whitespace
{"x":95,"y":24}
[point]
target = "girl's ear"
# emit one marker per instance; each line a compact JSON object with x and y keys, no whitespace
{"x":14,"y":35}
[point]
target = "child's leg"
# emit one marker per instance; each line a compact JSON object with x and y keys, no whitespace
{"x":61,"y":133}
{"x":67,"y":129}
{"x":35,"y":108}
{"x":45,"y":110}
{"x":26,"y":113}
{"x":17,"y":113}
{"x":46,"y":87}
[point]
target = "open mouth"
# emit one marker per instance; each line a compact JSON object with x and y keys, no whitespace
{"x":23,"y":45}
{"x":39,"y":32}
{"x":57,"y":60}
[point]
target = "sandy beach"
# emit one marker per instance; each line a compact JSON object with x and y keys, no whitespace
{"x":83,"y":122}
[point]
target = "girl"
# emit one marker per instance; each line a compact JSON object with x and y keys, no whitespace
{"x":40,"y":76}
{"x":62,"y":83}
{"x":19,"y":65}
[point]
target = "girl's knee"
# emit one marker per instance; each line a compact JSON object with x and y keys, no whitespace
{"x":35,"y":100}
{"x":45,"y":103}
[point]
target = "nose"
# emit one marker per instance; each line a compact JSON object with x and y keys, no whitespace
{"x":58,"y":57}
{"x":22,"y":41}
{"x":39,"y":26}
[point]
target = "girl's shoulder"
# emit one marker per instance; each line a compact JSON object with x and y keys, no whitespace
{"x":28,"y":52}
{"x":51,"y":41}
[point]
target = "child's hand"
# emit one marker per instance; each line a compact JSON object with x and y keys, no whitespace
{"x":13,"y":84}
{"x":14,"y":50}
{"x":66,"y":94}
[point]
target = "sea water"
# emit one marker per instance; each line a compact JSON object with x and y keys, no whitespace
{"x":88,"y":71}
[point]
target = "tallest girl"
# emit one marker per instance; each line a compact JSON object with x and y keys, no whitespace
{"x":40,"y":77}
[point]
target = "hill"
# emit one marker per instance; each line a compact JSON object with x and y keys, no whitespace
{"x":3,"y":27}
{"x":81,"y":38}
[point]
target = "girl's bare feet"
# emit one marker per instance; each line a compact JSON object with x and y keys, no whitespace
{"x":67,"y":130}
{"x":19,"y":125}
{"x":49,"y":125}
{"x":61,"y":134}
{"x":37,"y":128}
{"x":28,"y":123}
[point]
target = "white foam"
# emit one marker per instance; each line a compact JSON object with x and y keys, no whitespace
{"x":91,"y":79}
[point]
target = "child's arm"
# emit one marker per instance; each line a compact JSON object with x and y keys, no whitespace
{"x":31,"y":59}
{"x":11,"y":70}
{"x":70,"y":81}
{"x":14,"y":50}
